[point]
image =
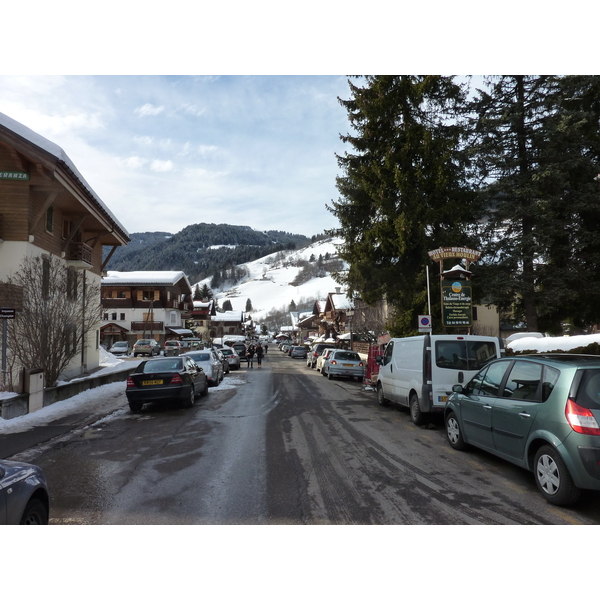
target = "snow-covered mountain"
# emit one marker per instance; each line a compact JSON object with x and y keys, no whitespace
{"x":270,"y":280}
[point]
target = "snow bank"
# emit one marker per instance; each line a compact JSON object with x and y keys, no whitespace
{"x":550,"y":344}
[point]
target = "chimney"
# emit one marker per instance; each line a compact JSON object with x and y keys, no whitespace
{"x":337,"y":290}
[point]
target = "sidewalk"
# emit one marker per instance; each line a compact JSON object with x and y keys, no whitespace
{"x":25,"y":432}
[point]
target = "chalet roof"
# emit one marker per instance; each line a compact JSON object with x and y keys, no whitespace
{"x":61,"y":157}
{"x":229,"y":315}
{"x":145,"y":278}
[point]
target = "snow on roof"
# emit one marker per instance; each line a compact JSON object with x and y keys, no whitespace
{"x":549,"y":344}
{"x":228,"y":315}
{"x":145,"y":277}
{"x":341,"y":302}
{"x":55,"y":150}
{"x":200,"y":304}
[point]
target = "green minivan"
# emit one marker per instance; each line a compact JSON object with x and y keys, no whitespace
{"x":538,"y":411}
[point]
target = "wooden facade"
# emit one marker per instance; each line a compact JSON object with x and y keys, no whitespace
{"x":47,"y":208}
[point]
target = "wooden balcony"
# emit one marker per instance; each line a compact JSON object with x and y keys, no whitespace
{"x":147,"y":325}
{"x":79,"y":255}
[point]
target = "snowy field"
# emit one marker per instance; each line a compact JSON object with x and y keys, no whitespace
{"x":268,"y":284}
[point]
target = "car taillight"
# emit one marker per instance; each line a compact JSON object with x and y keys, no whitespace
{"x":130,"y":382}
{"x":581,"y":419}
{"x":333,"y":362}
{"x":360,"y":364}
{"x":176,"y":379}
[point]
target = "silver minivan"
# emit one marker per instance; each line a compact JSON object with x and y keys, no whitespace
{"x":419,"y":372}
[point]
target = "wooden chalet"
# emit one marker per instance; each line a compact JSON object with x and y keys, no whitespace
{"x":47,"y":208}
{"x":145,"y":304}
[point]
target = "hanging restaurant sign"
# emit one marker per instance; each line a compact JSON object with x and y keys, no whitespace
{"x":442,"y":253}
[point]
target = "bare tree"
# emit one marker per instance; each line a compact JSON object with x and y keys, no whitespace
{"x":60,"y":307}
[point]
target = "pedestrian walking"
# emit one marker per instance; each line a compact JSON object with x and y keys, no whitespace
{"x":250,"y":356}
{"x":259,"y":355}
{"x":266,"y":348}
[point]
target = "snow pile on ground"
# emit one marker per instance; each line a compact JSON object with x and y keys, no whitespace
{"x":550,"y":344}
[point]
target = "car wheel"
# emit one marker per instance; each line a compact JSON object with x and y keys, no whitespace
{"x":329,"y":375}
{"x":454,"y":433}
{"x":189,"y":401}
{"x":135,"y":406}
{"x":383,"y":401}
{"x":205,"y":390}
{"x":416,"y":415}
{"x":35,"y":513}
{"x":553,"y":478}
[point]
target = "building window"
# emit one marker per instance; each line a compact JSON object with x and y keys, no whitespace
{"x":173,"y":318}
{"x":49,"y":219}
{"x":113,"y":317}
{"x":122,"y":317}
{"x":45,"y":277}
{"x":71,"y":284}
{"x":105,"y":316}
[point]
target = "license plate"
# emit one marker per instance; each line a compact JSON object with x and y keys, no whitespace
{"x":153,"y":382}
{"x":443,"y":398}
{"x":348,"y":365}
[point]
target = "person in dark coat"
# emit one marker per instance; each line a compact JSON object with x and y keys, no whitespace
{"x":250,"y":356}
{"x":259,"y":355}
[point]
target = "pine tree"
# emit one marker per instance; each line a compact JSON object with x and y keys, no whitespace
{"x":197,"y":293}
{"x":537,"y":141}
{"x":206,"y":293}
{"x":292,"y":306}
{"x":227,"y":305}
{"x":248,"y":305}
{"x":404,"y":190}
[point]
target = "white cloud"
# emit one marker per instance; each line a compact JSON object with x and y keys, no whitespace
{"x":149,"y":109}
{"x":132,"y":162}
{"x":145,"y":140}
{"x":162,"y":165}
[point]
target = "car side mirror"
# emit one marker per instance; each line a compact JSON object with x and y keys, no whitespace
{"x":379,"y":360}
{"x":458,"y":388}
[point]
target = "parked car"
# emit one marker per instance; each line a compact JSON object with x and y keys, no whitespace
{"x":322,"y":358}
{"x":344,"y":363}
{"x":24,"y":498}
{"x":172,"y":348}
{"x":165,"y":379}
{"x":232,"y":357}
{"x":539,"y":411}
{"x":240,"y":349}
{"x":120,"y":349}
{"x":419,"y":371}
{"x":314,"y":352}
{"x":223,"y":360}
{"x":210,"y":363}
{"x":298,"y":352}
{"x":146,"y":346}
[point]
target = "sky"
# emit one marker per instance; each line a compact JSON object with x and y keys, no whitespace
{"x":164,"y":152}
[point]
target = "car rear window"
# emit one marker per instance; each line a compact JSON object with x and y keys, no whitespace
{"x":463,"y":355}
{"x":200,"y":357}
{"x":160,"y":366}
{"x":588,"y":392}
{"x":347,"y":356}
{"x":143,"y":342}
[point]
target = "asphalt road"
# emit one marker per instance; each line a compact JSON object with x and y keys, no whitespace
{"x":286,"y":446}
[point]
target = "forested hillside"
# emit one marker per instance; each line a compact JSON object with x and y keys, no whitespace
{"x":200,"y":250}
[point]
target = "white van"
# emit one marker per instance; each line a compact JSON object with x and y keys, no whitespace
{"x":419,"y":372}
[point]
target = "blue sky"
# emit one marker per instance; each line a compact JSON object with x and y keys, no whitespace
{"x":163,"y":152}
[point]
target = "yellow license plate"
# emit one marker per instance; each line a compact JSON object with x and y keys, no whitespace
{"x":443,"y":398}
{"x":153,"y":382}
{"x":348,"y":365}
